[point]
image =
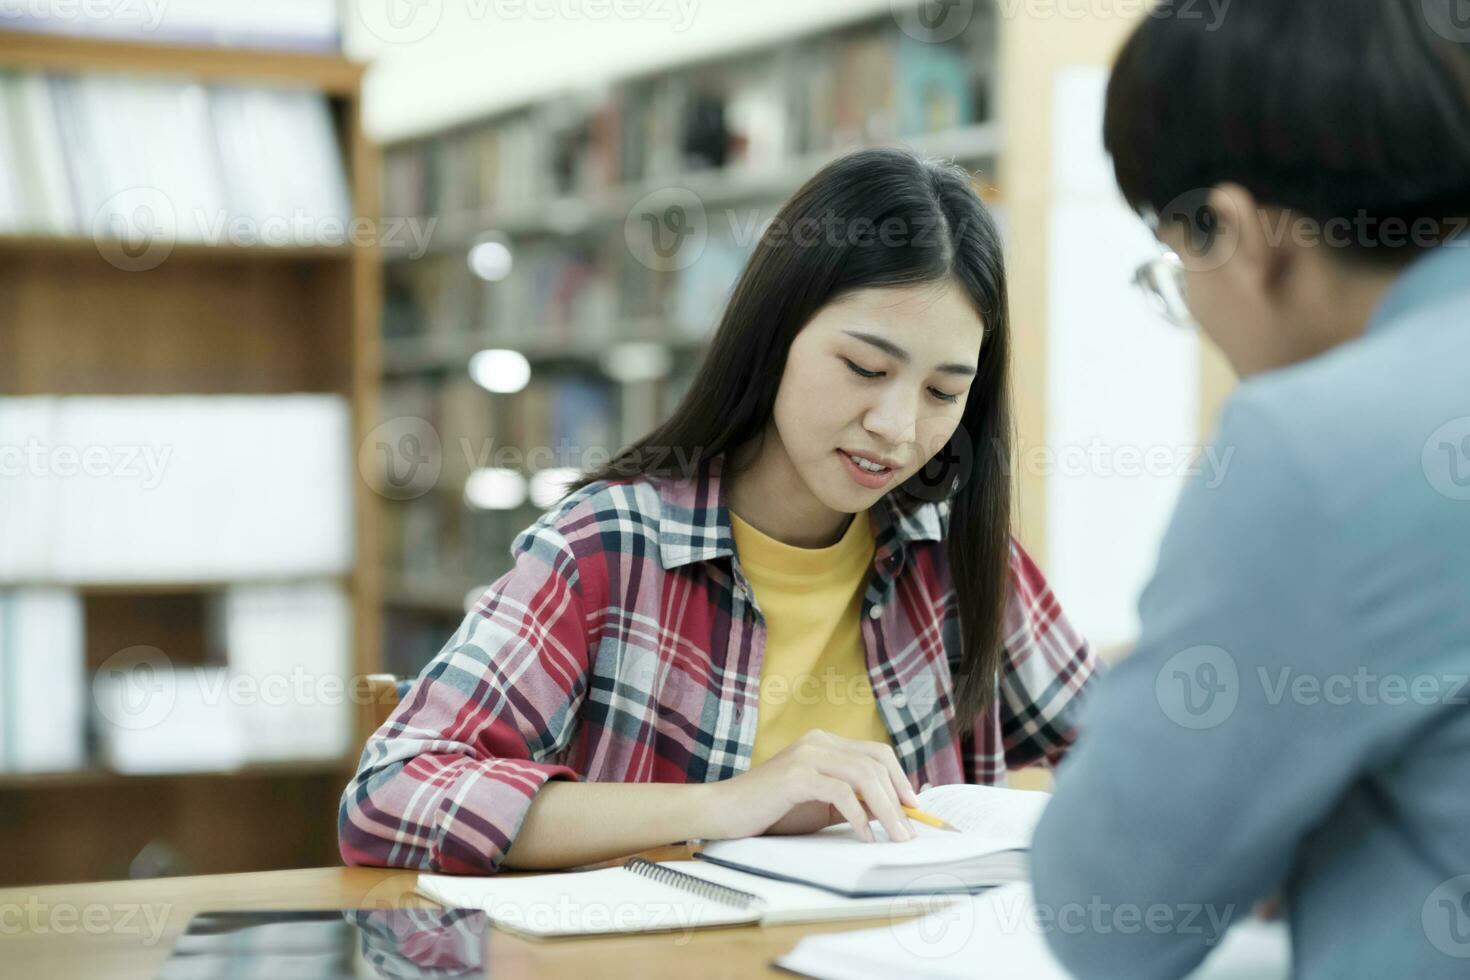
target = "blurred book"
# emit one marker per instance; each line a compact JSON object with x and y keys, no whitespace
{"x":759,"y":114}
{"x":125,"y":186}
{"x":436,"y":297}
{"x":863,"y":110}
{"x":280,"y":157}
{"x":175,"y":489}
{"x":934,"y":87}
{"x":42,"y":681}
{"x":564,"y":421}
{"x":704,"y":288}
{"x":286,"y":24}
{"x":289,"y":649}
{"x":31,"y":156}
{"x":466,"y":429}
{"x":556,"y":295}
{"x":157,"y":718}
{"x":411,"y":638}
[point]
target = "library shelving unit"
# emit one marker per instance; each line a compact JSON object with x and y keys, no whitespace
{"x":210,"y":320}
{"x":554,"y":183}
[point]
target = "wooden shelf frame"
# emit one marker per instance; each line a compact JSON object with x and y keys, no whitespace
{"x":62,"y":245}
{"x":333,"y":74}
{"x":309,"y":319}
{"x":94,"y":776}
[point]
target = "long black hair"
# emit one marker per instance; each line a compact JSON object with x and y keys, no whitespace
{"x":872,"y":219}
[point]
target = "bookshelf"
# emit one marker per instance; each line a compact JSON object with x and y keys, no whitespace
{"x":210,"y":320}
{"x":555,"y":181}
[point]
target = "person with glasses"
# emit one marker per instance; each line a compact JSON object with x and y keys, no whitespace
{"x":1294,"y":721}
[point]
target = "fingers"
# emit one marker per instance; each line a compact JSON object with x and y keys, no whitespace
{"x":889,"y":760}
{"x":841,"y":797}
{"x":872,"y":774}
{"x":868,"y":777}
{"x":886,"y":808}
{"x":883,"y":753}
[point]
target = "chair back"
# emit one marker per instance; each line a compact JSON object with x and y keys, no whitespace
{"x":384,"y":693}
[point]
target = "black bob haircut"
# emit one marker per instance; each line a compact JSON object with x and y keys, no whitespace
{"x":1336,"y":110}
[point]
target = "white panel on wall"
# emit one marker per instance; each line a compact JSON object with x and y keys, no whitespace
{"x":1122,"y":383}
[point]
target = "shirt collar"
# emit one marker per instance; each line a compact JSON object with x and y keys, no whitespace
{"x":694,"y":520}
{"x":1441,"y":272}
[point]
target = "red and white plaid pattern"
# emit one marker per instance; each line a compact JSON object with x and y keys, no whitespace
{"x":625,"y":646}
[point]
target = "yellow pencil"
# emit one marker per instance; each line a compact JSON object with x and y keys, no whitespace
{"x":914,"y":813}
{"x":924,"y":817}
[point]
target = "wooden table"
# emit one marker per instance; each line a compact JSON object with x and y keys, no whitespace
{"x":126,"y":928}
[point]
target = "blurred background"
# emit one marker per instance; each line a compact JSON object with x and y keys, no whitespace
{"x":308,"y":307}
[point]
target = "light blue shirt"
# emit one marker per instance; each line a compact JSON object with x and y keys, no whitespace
{"x":1296,"y":716}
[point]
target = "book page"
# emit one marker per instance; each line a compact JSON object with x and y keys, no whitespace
{"x":1010,"y":815}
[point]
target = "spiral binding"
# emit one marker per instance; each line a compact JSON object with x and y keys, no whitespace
{"x":723,"y":894}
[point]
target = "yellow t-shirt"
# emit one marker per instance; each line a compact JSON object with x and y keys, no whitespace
{"x":815,"y":670}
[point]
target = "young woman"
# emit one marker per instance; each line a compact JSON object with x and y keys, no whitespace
{"x":789,"y":606}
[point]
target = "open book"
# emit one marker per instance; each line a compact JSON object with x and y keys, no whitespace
{"x":995,"y":824}
{"x":829,"y":875}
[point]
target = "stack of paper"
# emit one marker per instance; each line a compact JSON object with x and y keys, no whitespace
{"x":42,"y":681}
{"x":175,"y":489}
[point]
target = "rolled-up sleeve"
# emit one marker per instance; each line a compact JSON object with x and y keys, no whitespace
{"x":1046,"y":669}
{"x":445,"y":783}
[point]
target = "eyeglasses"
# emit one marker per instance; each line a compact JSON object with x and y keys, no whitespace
{"x":1162,"y":281}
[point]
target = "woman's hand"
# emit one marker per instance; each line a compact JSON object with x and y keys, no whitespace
{"x":818,"y":780}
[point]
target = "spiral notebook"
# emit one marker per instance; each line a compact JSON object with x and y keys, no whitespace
{"x":643,"y":896}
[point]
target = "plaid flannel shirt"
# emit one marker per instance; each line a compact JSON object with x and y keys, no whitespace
{"x":625,"y":645}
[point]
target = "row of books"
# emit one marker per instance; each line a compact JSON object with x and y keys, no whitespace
{"x":175,"y":489}
{"x":559,"y":425}
{"x":873,"y":84}
{"x":312,"y":25}
{"x":558,"y":420}
{"x":441,"y":548}
{"x":555,"y":422}
{"x":279,"y":692}
{"x":577,"y":294}
{"x":125,"y":157}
